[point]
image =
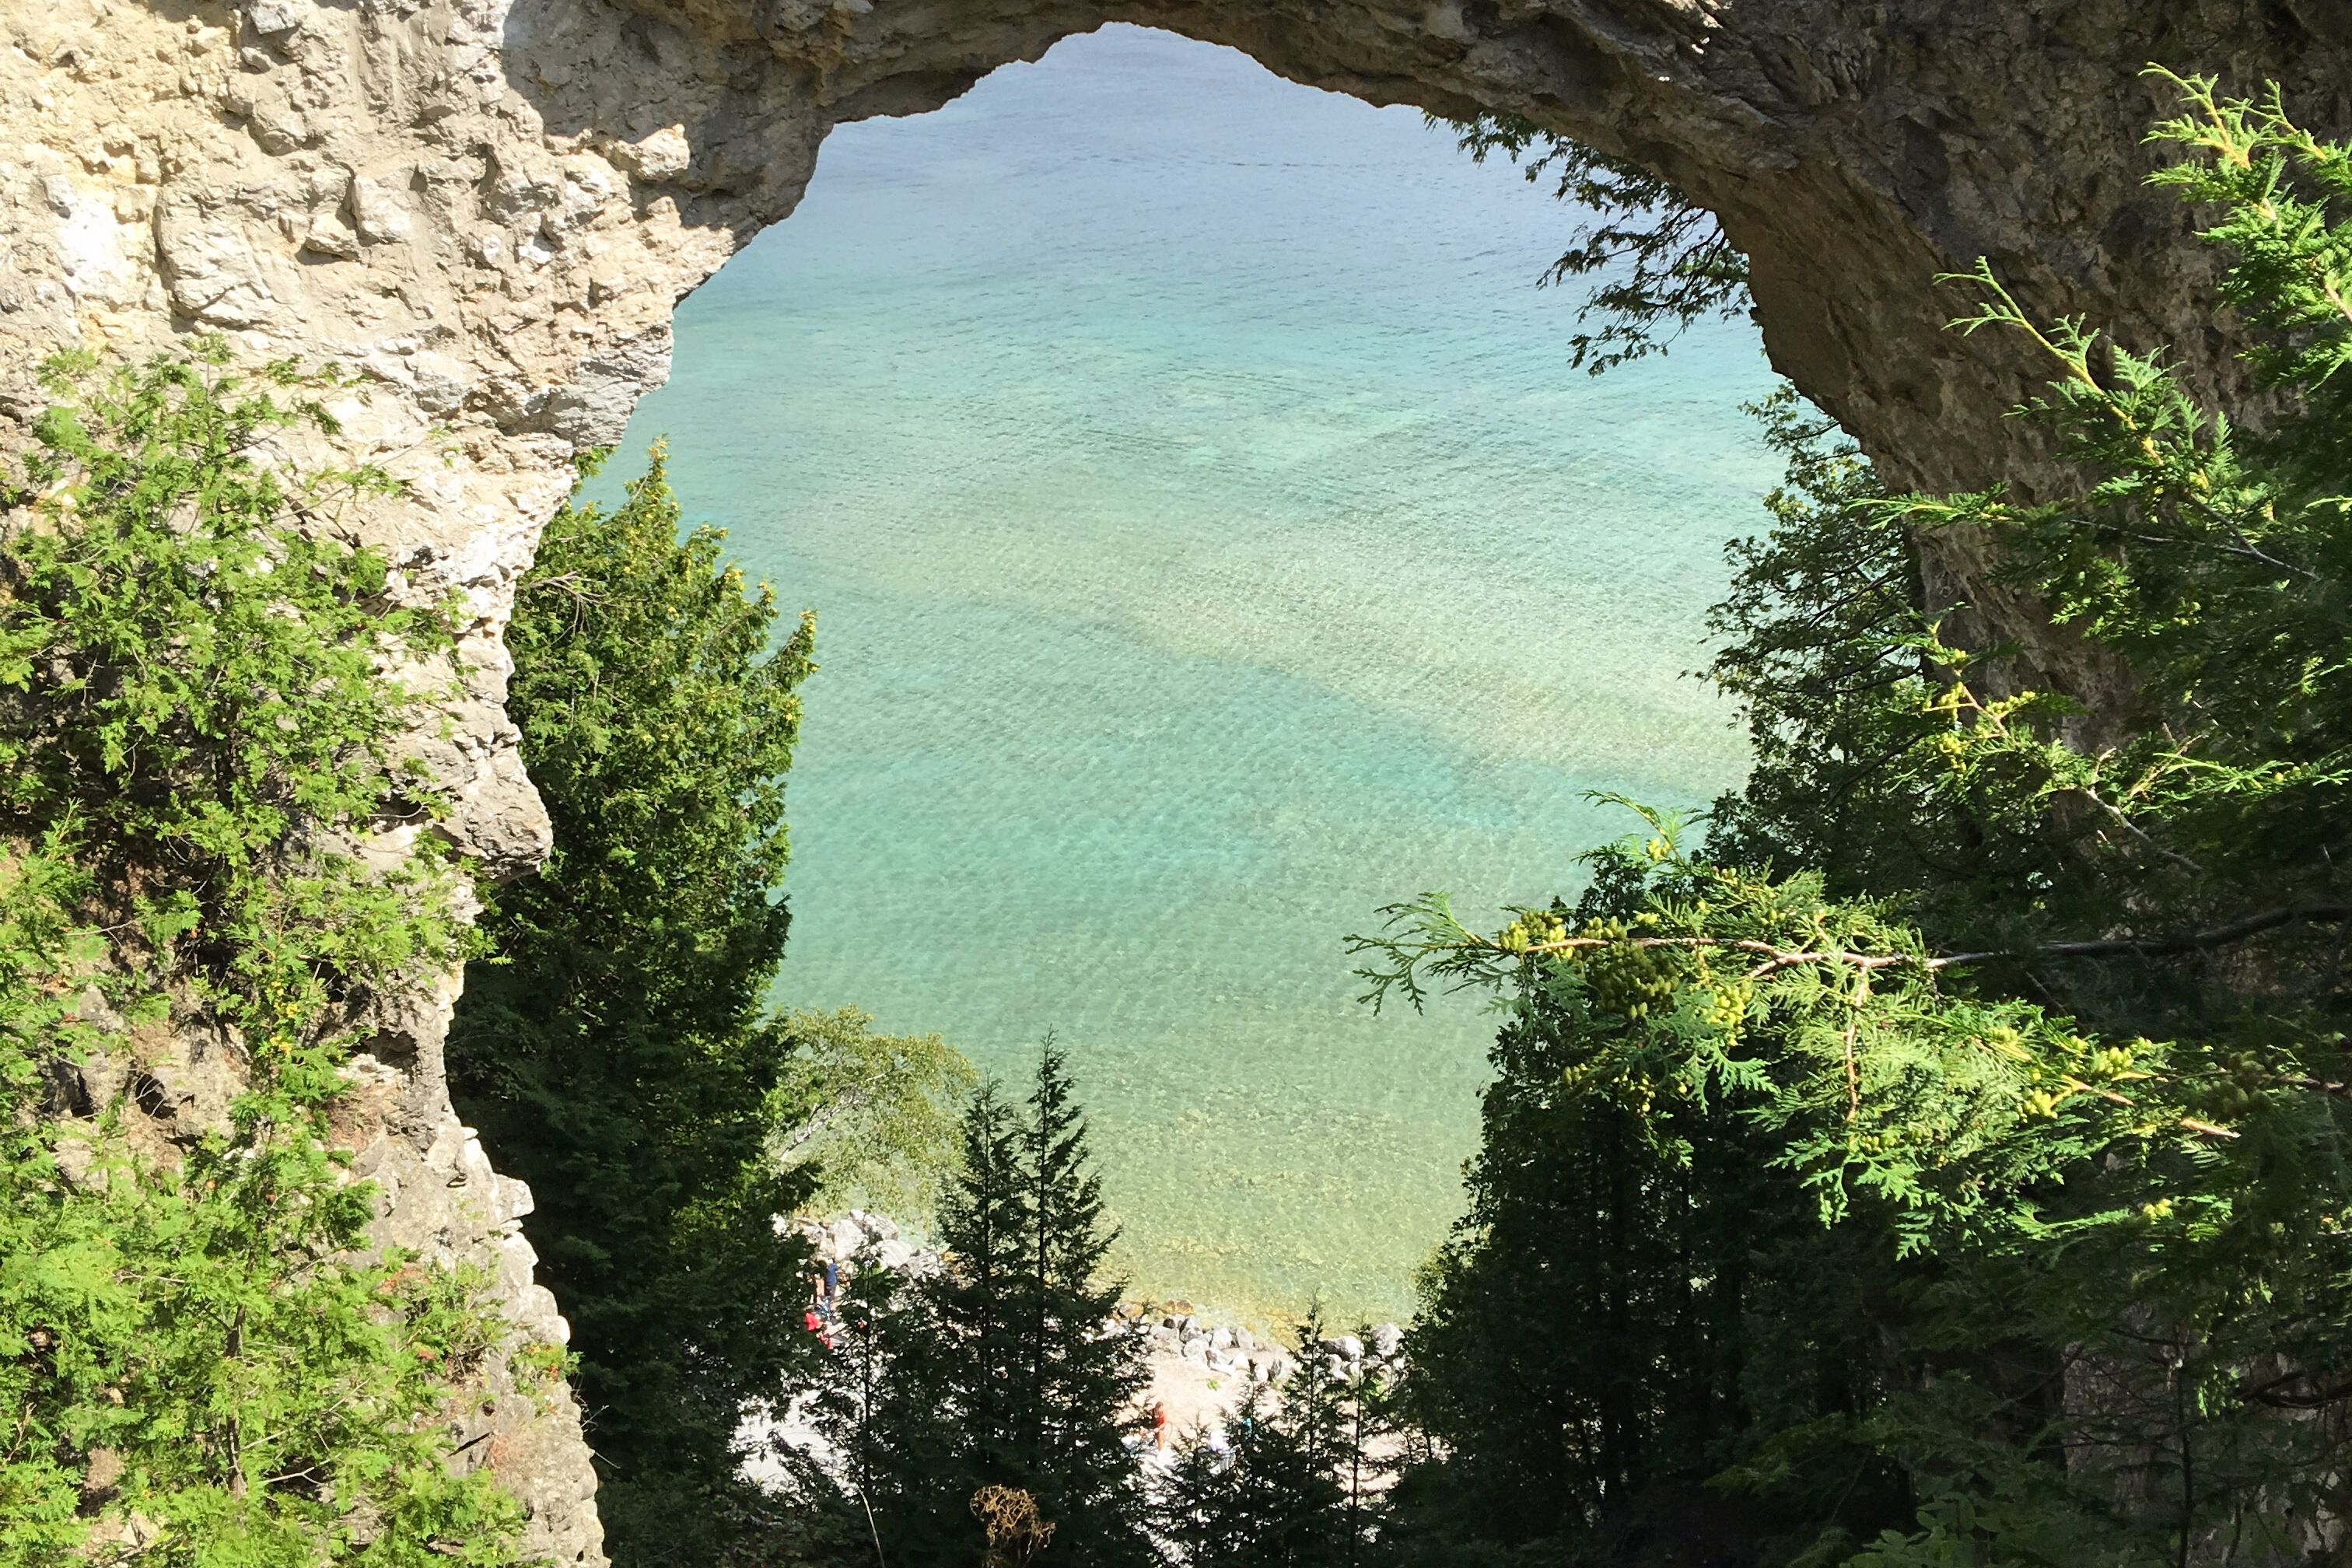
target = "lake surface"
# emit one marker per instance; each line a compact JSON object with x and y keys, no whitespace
{"x":1210,"y":544}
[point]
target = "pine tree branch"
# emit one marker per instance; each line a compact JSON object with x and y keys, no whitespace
{"x":1773,"y":957}
{"x":2160,"y":947}
{"x":2275,"y":1393}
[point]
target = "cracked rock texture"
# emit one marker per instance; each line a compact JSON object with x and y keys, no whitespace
{"x":489,"y":209}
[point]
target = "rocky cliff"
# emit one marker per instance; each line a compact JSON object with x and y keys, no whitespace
{"x":488,"y":208}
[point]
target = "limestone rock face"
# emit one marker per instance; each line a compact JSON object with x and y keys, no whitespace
{"x":489,"y":209}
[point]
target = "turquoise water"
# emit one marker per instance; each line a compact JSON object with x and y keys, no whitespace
{"x":1210,"y":544}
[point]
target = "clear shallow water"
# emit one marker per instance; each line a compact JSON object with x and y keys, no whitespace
{"x":1210,"y":544}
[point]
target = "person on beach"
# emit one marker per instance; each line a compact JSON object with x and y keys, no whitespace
{"x":819,"y":1315}
{"x":1160,"y":1426}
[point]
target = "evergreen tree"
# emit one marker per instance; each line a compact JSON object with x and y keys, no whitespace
{"x":1292,"y":1479}
{"x":1196,"y":1509}
{"x":999,"y":1371}
{"x":615,"y":1053}
{"x":945,"y":1417}
{"x":869,"y":1399}
{"x":1987,"y":1177}
{"x":1293,"y":1504}
{"x":1083,"y":1384}
{"x":1368,"y":1438}
{"x":1631,"y":1306}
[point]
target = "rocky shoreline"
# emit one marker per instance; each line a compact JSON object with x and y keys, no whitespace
{"x":1200,"y":1369}
{"x":1177,"y":1330}
{"x":1173,"y":1328}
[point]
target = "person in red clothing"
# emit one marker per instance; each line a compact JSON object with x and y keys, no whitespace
{"x":1159,"y":1425}
{"x":819,"y":1316}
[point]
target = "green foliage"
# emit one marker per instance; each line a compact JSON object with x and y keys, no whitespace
{"x":876,"y":1118}
{"x":616,"y":1053}
{"x":1663,"y":262}
{"x":1291,"y":1477}
{"x":207,"y":1361}
{"x":997,"y":1372}
{"x":1632,"y":1273}
{"x":2046,"y":1050}
{"x":1819,"y":641}
{"x":188,"y":669}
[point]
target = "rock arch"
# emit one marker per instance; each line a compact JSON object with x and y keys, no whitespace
{"x":489,"y":209}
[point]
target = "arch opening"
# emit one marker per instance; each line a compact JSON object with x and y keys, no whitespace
{"x":1852,"y":152}
{"x":1211,"y":542}
{"x":489,"y":208}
